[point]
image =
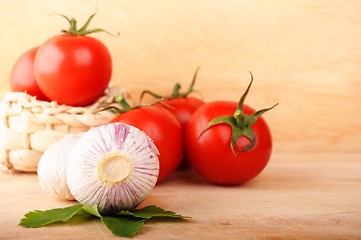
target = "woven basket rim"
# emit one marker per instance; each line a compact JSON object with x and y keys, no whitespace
{"x":18,"y":102}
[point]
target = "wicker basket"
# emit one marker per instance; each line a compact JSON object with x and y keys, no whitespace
{"x":29,"y":126}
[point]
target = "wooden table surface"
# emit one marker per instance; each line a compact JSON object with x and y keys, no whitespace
{"x":297,"y":196}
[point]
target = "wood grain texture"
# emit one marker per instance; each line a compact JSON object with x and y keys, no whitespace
{"x":306,"y":55}
{"x":298,"y":196}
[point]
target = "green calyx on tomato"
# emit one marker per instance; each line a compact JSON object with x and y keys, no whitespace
{"x":176,"y":90}
{"x":83,"y":30}
{"x":240,"y":123}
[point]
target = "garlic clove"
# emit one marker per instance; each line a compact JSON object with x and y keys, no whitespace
{"x":52,"y":167}
{"x":114,"y":166}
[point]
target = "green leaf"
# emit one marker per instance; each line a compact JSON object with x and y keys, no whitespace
{"x":123,"y":226}
{"x":150,"y":212}
{"x":93,"y":210}
{"x":39,"y":218}
{"x":125,"y":223}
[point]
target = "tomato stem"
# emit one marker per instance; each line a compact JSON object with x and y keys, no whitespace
{"x":120,"y":105}
{"x":240,"y":123}
{"x":175,"y":91}
{"x":73,"y":30}
{"x":240,"y":118}
{"x":123,"y":102}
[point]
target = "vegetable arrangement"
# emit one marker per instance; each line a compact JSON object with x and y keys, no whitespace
{"x":107,"y":161}
{"x":111,"y":169}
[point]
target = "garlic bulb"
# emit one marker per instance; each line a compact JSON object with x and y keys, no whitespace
{"x":52,"y":168}
{"x":114,"y":166}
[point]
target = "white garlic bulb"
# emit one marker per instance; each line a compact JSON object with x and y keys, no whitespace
{"x":52,"y":167}
{"x":114,"y":166}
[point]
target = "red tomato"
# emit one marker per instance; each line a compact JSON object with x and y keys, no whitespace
{"x":22,"y":77}
{"x":181,"y":105}
{"x":182,"y":108}
{"x":73,"y":70}
{"x":164,"y":129}
{"x":211,"y":154}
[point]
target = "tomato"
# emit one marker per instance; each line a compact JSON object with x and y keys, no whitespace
{"x":228,"y":143}
{"x":164,"y":129}
{"x":181,"y":105}
{"x":73,"y":68}
{"x":22,"y":77}
{"x":182,"y":108}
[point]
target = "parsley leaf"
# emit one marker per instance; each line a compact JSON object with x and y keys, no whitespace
{"x":151,"y":212}
{"x":93,"y":210}
{"x":124,"y":223}
{"x":39,"y":218}
{"x":123,"y":226}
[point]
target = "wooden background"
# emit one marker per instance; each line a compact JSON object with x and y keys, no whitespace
{"x":306,"y":55}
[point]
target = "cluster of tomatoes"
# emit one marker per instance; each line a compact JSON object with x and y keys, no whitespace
{"x":71,"y":68}
{"x":226,"y":142}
